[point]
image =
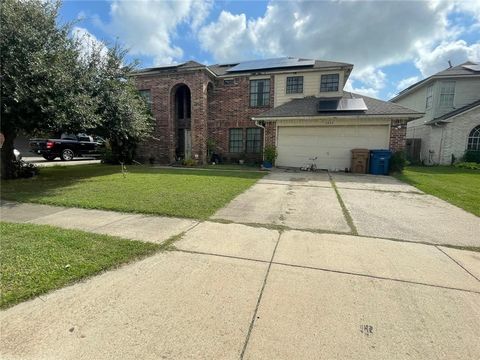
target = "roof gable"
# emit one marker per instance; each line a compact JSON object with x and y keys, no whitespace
{"x":466,"y":69}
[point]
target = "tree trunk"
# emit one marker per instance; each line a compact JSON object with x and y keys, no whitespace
{"x":7,"y":158}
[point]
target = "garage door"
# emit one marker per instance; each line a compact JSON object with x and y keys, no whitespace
{"x":331,"y":145}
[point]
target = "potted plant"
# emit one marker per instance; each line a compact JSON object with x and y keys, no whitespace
{"x":269,"y":155}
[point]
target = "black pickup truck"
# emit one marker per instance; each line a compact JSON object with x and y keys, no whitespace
{"x":67,"y":147}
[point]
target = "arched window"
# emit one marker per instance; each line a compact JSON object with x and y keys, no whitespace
{"x":474,"y":139}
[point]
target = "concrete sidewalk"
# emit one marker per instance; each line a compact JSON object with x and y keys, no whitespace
{"x":233,"y":291}
{"x":129,"y":226}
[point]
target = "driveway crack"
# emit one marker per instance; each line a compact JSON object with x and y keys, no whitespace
{"x":345,"y":211}
{"x":252,"y":323}
{"x":456,"y":262}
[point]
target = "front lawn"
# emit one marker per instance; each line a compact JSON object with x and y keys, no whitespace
{"x":460,"y":187}
{"x":35,"y":259}
{"x":172,"y":192}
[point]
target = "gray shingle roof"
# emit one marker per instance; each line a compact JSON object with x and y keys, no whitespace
{"x":455,"y":112}
{"x":181,"y":66}
{"x":308,"y":107}
{"x":222,"y":69}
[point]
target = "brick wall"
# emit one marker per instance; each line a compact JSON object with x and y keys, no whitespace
{"x":216,"y":108}
{"x":161,"y":146}
{"x":229,"y":107}
{"x":398,"y":131}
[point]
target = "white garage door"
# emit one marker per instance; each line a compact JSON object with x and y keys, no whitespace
{"x":331,"y":145}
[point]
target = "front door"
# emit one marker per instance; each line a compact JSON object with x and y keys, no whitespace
{"x":188,"y":144}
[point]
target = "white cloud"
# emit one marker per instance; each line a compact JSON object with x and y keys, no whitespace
{"x":372,"y":80}
{"x":433,"y":60}
{"x":88,"y":41}
{"x":402,"y":84}
{"x":367,"y":91}
{"x":365,"y":33}
{"x":147,"y":27}
{"x":371,"y":35}
{"x":229,"y":29}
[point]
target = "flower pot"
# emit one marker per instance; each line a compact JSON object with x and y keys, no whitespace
{"x":267,"y":164}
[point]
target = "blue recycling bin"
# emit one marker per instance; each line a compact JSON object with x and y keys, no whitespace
{"x":379,"y":161}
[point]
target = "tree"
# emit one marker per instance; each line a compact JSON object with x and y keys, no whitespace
{"x":126,"y":118}
{"x":42,"y":87}
{"x":49,"y":83}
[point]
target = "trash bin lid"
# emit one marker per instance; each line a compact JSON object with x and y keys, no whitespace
{"x":360,"y":151}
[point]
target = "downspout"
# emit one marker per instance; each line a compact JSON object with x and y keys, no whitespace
{"x":257,"y":123}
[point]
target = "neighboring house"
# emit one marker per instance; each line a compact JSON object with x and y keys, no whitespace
{"x":296,"y":104}
{"x":450,"y":100}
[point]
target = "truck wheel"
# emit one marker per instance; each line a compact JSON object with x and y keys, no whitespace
{"x":67,"y":155}
{"x":49,"y":157}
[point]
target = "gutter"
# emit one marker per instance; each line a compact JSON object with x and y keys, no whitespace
{"x":374,"y":116}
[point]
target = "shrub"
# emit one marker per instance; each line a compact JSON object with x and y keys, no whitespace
{"x":397,"y":162}
{"x":189,"y":162}
{"x":270,"y":153}
{"x":23,"y":169}
{"x":468,"y":165}
{"x":472,"y":156}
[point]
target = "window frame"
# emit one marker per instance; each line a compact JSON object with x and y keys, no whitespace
{"x":265,"y":95}
{"x":238,"y":143}
{"x":429,"y":97}
{"x":148,"y":99}
{"x":229,"y":82}
{"x":253,"y":145}
{"x":326,"y":86}
{"x":296,"y":87}
{"x":473,"y":140}
{"x":451,"y":95}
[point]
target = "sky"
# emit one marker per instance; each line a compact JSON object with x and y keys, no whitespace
{"x":392,"y":44}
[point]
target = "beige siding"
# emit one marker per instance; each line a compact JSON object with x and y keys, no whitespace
{"x":311,"y":86}
{"x":439,"y":143}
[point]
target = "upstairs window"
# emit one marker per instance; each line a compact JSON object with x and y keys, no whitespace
{"x":235,"y":141}
{"x":146,"y":95}
{"x":259,"y":93}
{"x":447,"y":93}
{"x":294,"y":85}
{"x":254,"y":140}
{"x":429,"y":98}
{"x":229,"y":82}
{"x":474,"y":139}
{"x":329,"y":82}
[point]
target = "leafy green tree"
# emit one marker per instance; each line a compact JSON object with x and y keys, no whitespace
{"x":42,"y":81}
{"x":51,"y":83}
{"x":126,"y":116}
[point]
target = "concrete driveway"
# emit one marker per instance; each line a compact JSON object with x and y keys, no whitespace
{"x":378,"y":206}
{"x":285,"y":278}
{"x":40,"y":161}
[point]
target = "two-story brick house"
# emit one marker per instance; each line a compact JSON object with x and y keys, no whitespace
{"x":450,"y":100}
{"x":298,"y":105}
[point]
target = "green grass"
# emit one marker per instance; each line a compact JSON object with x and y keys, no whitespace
{"x":460,"y":187}
{"x":170,"y":192}
{"x":35,"y":259}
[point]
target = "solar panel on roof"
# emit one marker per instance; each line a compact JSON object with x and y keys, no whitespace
{"x":327,"y":105}
{"x":474,"y":67}
{"x":271,"y":64}
{"x":341,"y":105}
